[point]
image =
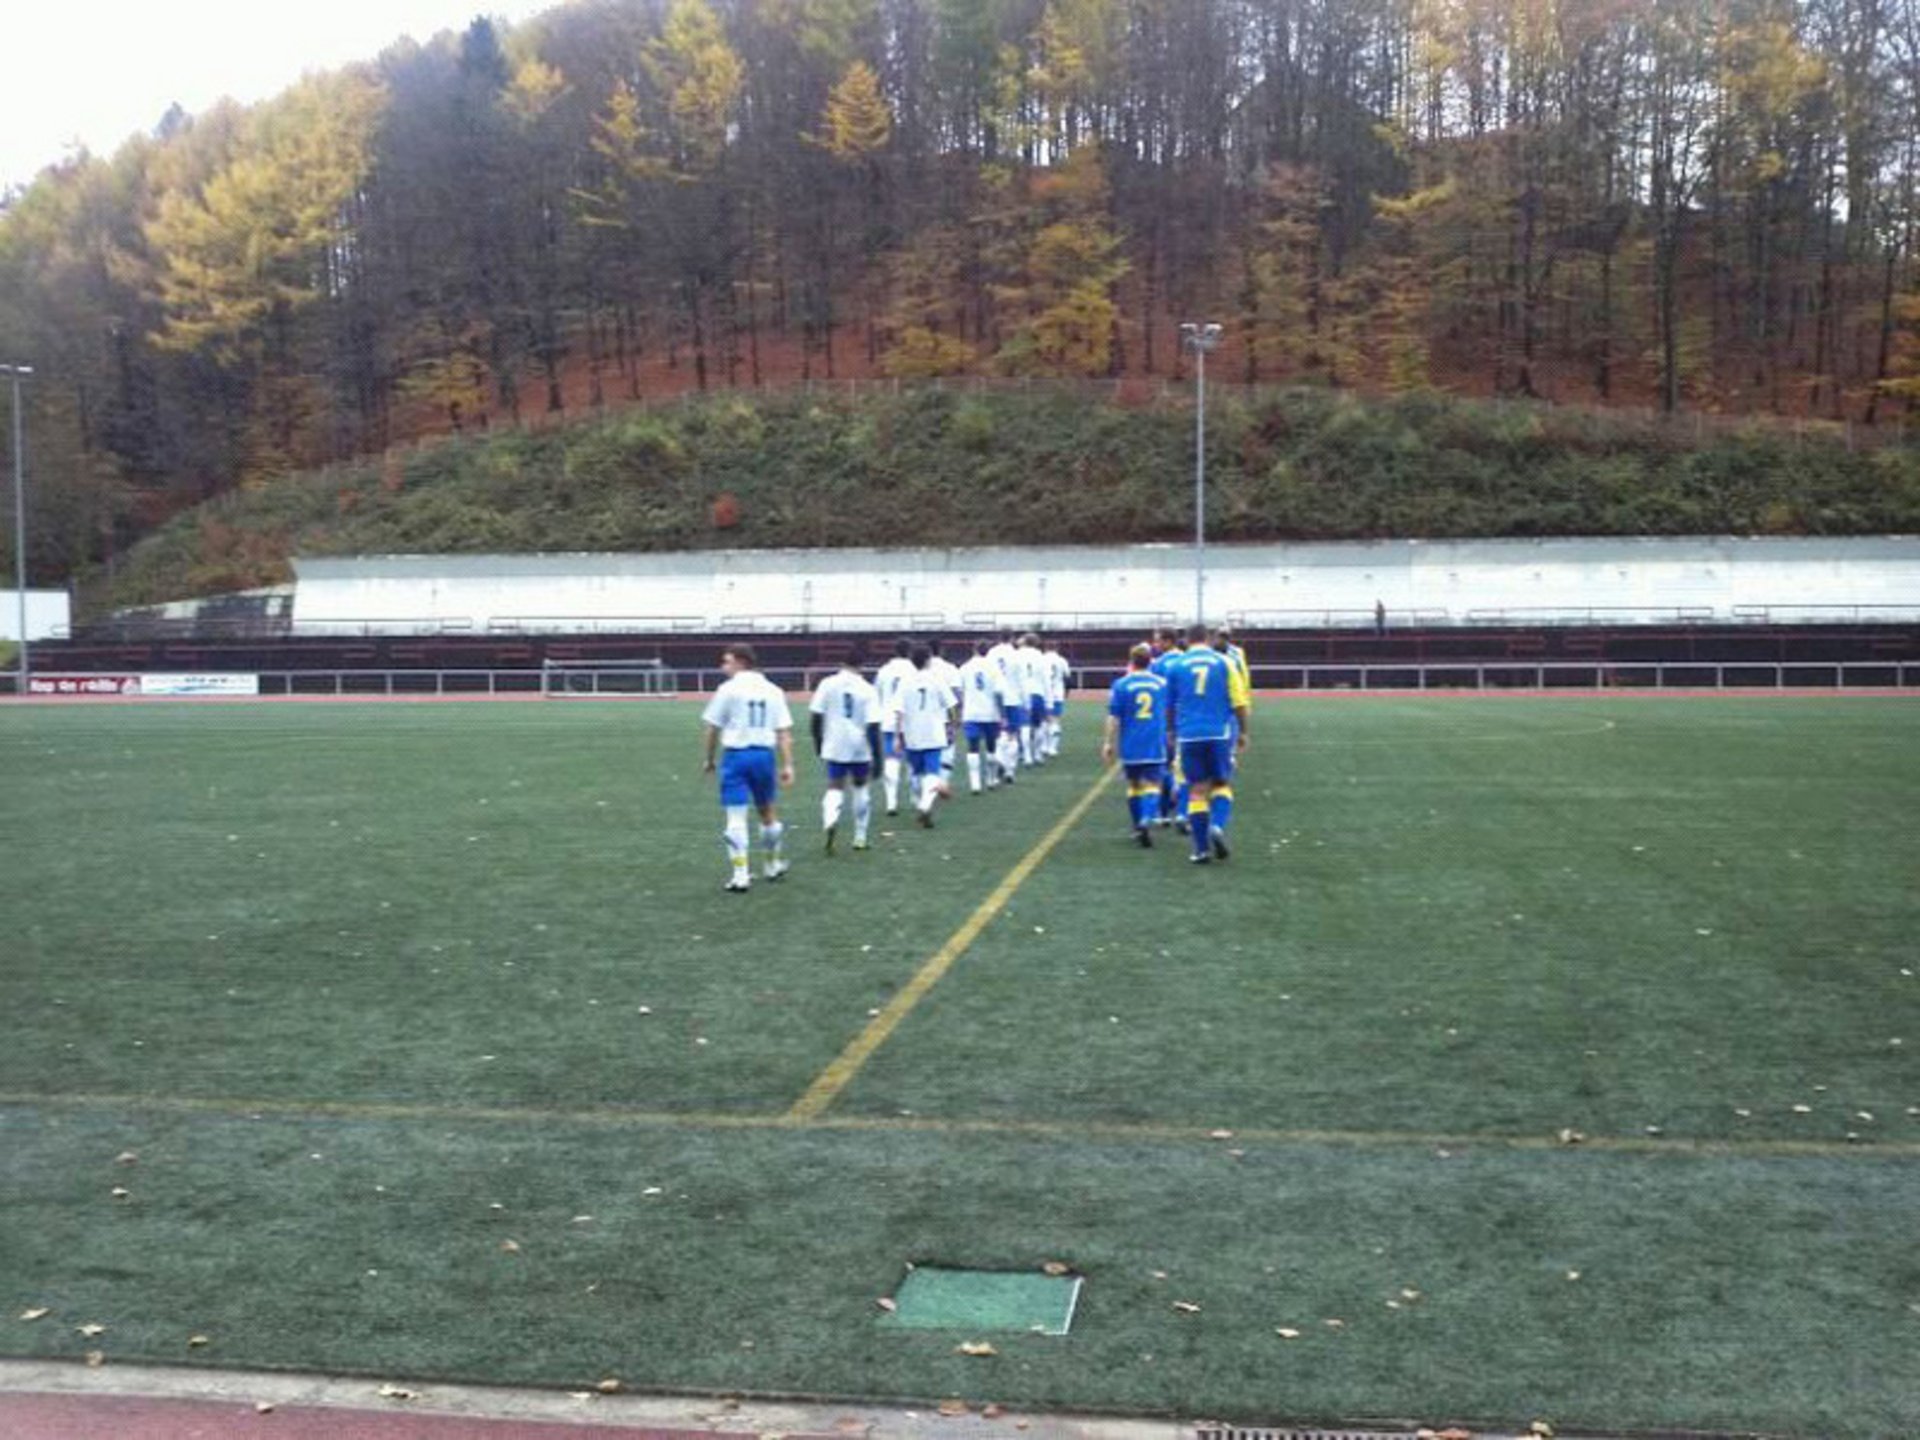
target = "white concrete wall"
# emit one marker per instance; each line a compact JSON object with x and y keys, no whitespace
{"x":47,"y":617}
{"x":1438,"y":582}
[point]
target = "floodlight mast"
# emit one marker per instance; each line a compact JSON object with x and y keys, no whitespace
{"x":1200,"y":338}
{"x":17,"y":373}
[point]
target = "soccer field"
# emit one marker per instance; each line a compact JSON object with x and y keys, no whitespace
{"x":442,"y":1055}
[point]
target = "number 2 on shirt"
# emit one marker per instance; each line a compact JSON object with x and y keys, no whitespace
{"x":1143,"y":705}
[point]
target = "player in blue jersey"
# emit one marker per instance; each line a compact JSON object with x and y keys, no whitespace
{"x":1209,"y":695}
{"x":1137,"y":734}
{"x":1170,"y":648}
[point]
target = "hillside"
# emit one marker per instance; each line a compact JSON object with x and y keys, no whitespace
{"x":1061,"y":464}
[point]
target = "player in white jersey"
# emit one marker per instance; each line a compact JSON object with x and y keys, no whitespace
{"x":846,"y":735}
{"x":924,"y":712}
{"x":1032,"y":670}
{"x":1013,"y":704}
{"x":981,"y":699}
{"x":888,"y":680}
{"x":948,"y":674}
{"x":1059,"y":680}
{"x":747,"y":722}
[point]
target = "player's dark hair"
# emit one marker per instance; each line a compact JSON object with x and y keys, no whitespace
{"x":981,"y":647}
{"x":856,"y":655}
{"x":921,"y":655}
{"x":1197,"y":633}
{"x":903,"y":646}
{"x":743,"y":652}
{"x":933,"y":648}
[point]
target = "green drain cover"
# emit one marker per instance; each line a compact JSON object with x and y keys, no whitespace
{"x":933,"y":1299}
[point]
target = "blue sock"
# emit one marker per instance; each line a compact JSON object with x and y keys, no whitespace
{"x":1222,"y":810}
{"x":1199,"y":820}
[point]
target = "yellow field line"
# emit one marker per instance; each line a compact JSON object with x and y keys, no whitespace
{"x":1115,"y":1132}
{"x":835,"y":1078}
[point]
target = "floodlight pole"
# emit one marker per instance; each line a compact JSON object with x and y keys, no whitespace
{"x":1200,"y":339}
{"x":19,"y":373}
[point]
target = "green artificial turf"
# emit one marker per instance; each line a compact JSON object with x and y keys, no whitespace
{"x":409,"y":990}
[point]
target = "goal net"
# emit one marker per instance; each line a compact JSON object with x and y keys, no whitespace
{"x":613,"y":679}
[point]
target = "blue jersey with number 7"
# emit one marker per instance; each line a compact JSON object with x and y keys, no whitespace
{"x":1206,"y":688}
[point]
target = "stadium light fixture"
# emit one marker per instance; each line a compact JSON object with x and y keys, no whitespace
{"x":1200,"y":338}
{"x":17,"y":373}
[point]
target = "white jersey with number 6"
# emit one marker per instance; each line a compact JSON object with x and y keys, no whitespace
{"x":980,"y":691}
{"x":748,"y":710}
{"x":846,"y":705}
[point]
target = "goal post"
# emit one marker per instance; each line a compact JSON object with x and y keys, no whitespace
{"x":608,"y":680}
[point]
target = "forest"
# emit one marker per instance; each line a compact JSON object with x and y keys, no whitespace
{"x":1704,"y":208}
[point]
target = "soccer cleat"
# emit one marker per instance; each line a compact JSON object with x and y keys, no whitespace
{"x":893,"y":809}
{"x":832,"y":831}
{"x":861,"y":845}
{"x":925,"y":817}
{"x":1199,"y":859}
{"x":1220,"y":851}
{"x":737,"y":887}
{"x":1143,"y":837}
{"x":777,"y":869}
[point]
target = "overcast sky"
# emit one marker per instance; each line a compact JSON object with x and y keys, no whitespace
{"x":97,"y":71}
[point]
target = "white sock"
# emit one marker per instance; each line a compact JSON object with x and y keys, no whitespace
{"x":831,"y":805}
{"x":1009,"y":754}
{"x":929,"y":791}
{"x":735,"y":836}
{"x":890,"y":779}
{"x":1026,"y":745}
{"x":973,"y":771}
{"x":862,"y":812}
{"x":770,"y":837}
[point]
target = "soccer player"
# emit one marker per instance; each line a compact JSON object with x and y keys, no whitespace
{"x":1013,"y":704}
{"x":923,"y":712}
{"x":1032,"y":673}
{"x":746,"y":722}
{"x":1172,"y":648}
{"x":1208,"y":696}
{"x":888,"y":681}
{"x":948,"y":674}
{"x":980,"y":699}
{"x":1137,"y":731}
{"x":846,"y":735}
{"x":1060,"y":679}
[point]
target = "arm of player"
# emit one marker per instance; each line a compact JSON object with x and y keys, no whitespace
{"x":874,"y":745}
{"x":1240,"y":696}
{"x":784,"y":737}
{"x":819,"y":732}
{"x":1107,"y":742}
{"x":713,"y":746}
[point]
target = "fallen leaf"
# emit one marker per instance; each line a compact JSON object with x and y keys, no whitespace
{"x":1571,"y":1137}
{"x":580,"y":1394}
{"x":1287,"y":1332}
{"x":1335,"y":1324}
{"x":194,"y":1342}
{"x":1409,"y":1294}
{"x":512,"y":1247}
{"x":992,"y":1412}
{"x":1220,"y":1134}
{"x":1573,"y":1274}
{"x":1056,"y":1267}
{"x":120,"y":1192}
{"x":887,"y":1304}
{"x":850,"y":1425}
{"x":951,"y":1408}
{"x":612,"y":1385}
{"x":95,"y":1359}
{"x":1186,"y":1307}
{"x":1542,"y":1429}
{"x":396,"y":1392}
{"x":90,"y":1329}
{"x":581,"y":1220}
{"x":36,"y":1313}
{"x":127,"y":1157}
{"x":1803,"y":1109}
{"x":1456,"y":1433}
{"x":976,"y":1347}
{"x":263,"y":1407}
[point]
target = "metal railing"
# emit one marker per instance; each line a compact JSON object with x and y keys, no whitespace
{"x":1403,"y":677}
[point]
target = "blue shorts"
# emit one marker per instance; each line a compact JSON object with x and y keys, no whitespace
{"x":983,"y":732}
{"x":1206,"y":762}
{"x":858,"y":771}
{"x":1147,"y":772}
{"x":926,"y":762}
{"x":1016,"y":717}
{"x":890,"y":745}
{"x":1037,"y":708}
{"x":747,"y":777}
